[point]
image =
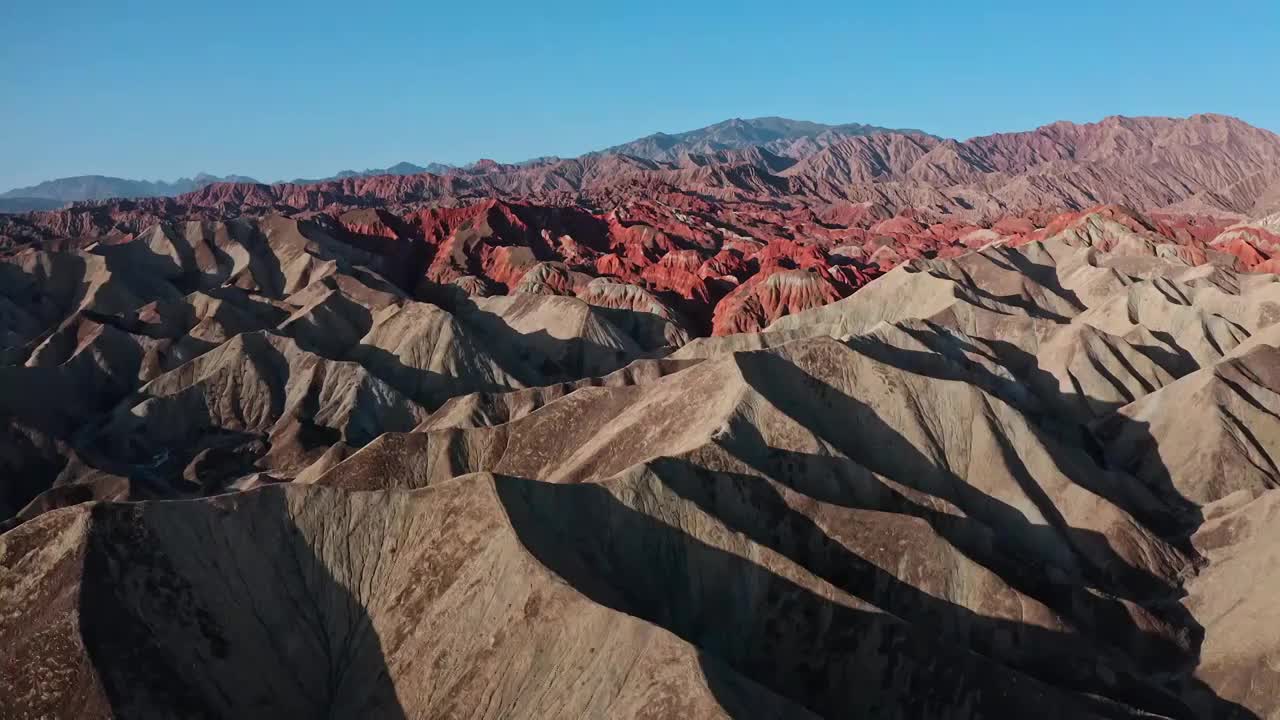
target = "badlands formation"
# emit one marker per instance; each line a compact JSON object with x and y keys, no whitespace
{"x":889,"y":427}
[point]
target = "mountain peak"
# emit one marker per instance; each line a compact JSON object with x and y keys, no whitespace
{"x":781,"y":136}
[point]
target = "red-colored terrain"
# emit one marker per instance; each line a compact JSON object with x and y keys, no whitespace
{"x":705,"y":234}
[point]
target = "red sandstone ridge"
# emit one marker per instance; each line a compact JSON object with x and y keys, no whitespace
{"x":755,"y":304}
{"x":1205,"y":165}
{"x":708,"y":261}
{"x":1256,"y":244}
{"x":709,"y":225}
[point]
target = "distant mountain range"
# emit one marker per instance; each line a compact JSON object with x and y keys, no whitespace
{"x":1207,"y":163}
{"x":1204,"y":164}
{"x":55,"y":193}
{"x":404,"y":168}
{"x":780,"y":136}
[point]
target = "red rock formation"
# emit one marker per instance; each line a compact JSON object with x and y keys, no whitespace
{"x":765,"y":298}
{"x":1223,"y":166}
{"x":705,"y":223}
{"x":686,"y":284}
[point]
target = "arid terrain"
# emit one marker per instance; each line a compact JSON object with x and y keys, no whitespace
{"x":766,"y":420}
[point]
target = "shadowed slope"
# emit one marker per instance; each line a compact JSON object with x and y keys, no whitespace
{"x":975,"y":489}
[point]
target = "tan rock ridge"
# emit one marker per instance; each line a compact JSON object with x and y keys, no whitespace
{"x":374,"y":456}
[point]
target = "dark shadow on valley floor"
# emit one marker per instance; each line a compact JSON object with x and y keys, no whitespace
{"x":199,"y":610}
{"x":747,"y":620}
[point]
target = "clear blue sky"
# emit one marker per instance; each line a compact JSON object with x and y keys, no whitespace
{"x":277,"y":89}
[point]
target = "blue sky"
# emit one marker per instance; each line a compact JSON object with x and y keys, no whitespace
{"x":277,"y":89}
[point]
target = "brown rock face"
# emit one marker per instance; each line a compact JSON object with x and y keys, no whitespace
{"x":600,"y":445}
